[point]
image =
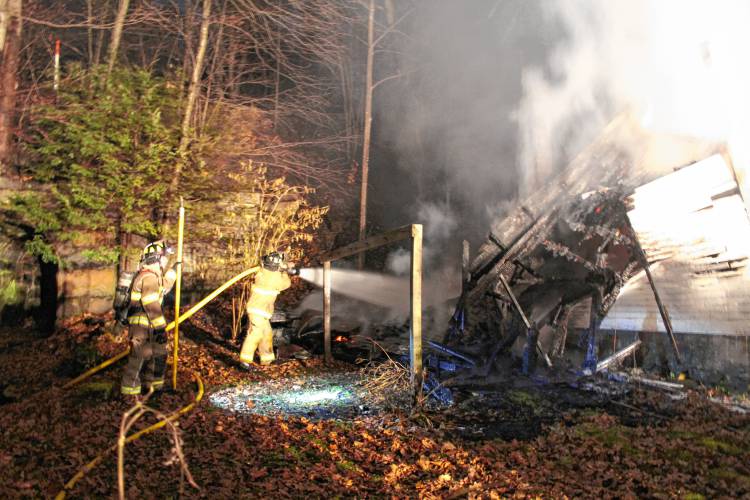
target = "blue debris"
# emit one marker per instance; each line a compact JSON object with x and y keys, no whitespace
{"x":436,"y":390}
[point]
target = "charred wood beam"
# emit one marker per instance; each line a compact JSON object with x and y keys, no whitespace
{"x":497,"y":296}
{"x":521,"y":267}
{"x":618,"y":356}
{"x":503,"y":344}
{"x":478,"y":271}
{"x":524,"y":318}
{"x":465,"y":262}
{"x":515,"y":302}
{"x":658,"y":384}
{"x":620,"y":279}
{"x":451,"y":352}
{"x":558,"y":249}
{"x":589,"y":362}
{"x":561,"y":329}
{"x":641,"y":256}
{"x":357,"y":247}
{"x":526,"y":241}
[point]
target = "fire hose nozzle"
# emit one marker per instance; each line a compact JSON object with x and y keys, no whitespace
{"x":292,"y":271}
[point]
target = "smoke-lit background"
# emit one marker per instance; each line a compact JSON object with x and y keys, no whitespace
{"x":496,"y":95}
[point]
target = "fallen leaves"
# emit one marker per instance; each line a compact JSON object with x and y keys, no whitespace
{"x":47,"y":434}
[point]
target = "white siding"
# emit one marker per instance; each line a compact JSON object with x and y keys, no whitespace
{"x":693,"y":224}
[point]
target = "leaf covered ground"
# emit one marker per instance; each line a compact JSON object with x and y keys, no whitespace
{"x":644,"y":445}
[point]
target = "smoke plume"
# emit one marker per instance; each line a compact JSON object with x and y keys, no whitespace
{"x":502,"y":94}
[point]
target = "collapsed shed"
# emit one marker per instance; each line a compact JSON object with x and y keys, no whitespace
{"x":634,"y":238}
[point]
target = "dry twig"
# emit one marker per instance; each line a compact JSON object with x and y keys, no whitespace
{"x":129,"y":418}
{"x":386,"y":384}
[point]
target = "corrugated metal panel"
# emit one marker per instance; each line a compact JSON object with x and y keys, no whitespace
{"x":694,"y":224}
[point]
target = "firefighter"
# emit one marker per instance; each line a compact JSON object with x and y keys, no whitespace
{"x":147,"y":325}
{"x":272,"y":279}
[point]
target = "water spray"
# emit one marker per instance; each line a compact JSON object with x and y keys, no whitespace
{"x":375,"y":288}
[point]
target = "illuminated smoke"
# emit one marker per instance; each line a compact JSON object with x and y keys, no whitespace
{"x":504,"y":93}
{"x":680,"y":64}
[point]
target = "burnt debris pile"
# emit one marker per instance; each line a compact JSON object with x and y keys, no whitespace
{"x":556,"y":263}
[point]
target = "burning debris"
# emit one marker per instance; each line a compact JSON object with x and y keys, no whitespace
{"x":561,"y":259}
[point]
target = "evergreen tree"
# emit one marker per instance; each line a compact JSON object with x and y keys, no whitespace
{"x":103,"y":153}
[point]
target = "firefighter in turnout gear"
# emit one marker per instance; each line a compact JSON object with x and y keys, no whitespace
{"x":272,"y":279}
{"x":147,"y":325}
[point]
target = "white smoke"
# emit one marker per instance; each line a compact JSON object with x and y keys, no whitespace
{"x":503,"y":94}
{"x":679,"y":63}
{"x":439,"y":226}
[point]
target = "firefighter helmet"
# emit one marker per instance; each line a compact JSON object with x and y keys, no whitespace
{"x":273,"y":261}
{"x":154,"y":251}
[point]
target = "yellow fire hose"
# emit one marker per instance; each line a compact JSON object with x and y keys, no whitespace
{"x":197,"y":307}
{"x":158,"y":425}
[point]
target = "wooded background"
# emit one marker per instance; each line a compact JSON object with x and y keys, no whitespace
{"x":257,"y":113}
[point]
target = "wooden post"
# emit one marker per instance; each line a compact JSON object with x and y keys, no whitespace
{"x":177,"y":291}
{"x":526,"y":321}
{"x":327,"y":311}
{"x":415,"y":339}
{"x":375,"y":241}
{"x":465,"y":262}
{"x":591,"y":358}
{"x":641,"y":255}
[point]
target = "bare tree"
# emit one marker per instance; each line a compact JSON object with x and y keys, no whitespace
{"x":370,"y":86}
{"x":366,"y":136}
{"x":10,"y":45}
{"x":282,"y":66}
{"x":192,"y":97}
{"x":114,"y":43}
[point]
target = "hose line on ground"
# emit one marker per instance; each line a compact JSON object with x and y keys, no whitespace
{"x":158,"y":425}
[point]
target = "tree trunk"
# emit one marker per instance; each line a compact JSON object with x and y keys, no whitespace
{"x":100,"y":36}
{"x":114,"y":44}
{"x":194,"y":88}
{"x":192,"y":97}
{"x":186,"y":27}
{"x":214,"y":75}
{"x":10,"y":45}
{"x":277,"y":83}
{"x":90,"y":32}
{"x":47,"y":297}
{"x":368,"y":129}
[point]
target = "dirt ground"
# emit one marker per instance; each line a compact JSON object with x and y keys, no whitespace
{"x":524,"y":441}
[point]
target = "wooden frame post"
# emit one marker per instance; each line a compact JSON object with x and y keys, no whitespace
{"x":412,"y":232}
{"x":415,"y":330}
{"x":643,"y":260}
{"x":177,"y":291}
{"x":327,"y":311}
{"x":465,"y":263}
